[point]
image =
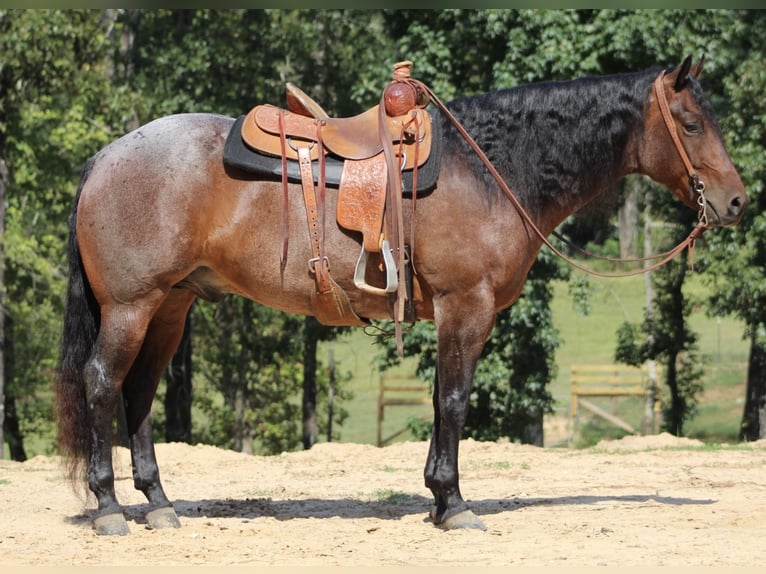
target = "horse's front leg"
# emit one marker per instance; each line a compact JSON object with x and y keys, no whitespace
{"x":462,"y":330}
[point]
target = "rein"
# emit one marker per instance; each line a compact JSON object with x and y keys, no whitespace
{"x":695,"y":186}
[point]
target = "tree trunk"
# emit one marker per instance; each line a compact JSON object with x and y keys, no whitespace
{"x":11,"y":428}
{"x":3,"y":185}
{"x":533,"y":432}
{"x":676,"y":410}
{"x":13,"y":431}
{"x":628,"y":219}
{"x":310,"y":338}
{"x":243,"y":441}
{"x":753,"y":426}
{"x":178,"y":396}
{"x":648,"y":424}
{"x":331,"y":393}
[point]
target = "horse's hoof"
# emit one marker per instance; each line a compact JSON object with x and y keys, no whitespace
{"x":463,"y":520}
{"x":111,"y":525}
{"x":164,"y":517}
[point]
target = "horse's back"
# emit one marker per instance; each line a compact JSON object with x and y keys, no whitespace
{"x":171,"y":145}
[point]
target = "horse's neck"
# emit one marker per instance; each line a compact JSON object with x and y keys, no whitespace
{"x":559,"y":146}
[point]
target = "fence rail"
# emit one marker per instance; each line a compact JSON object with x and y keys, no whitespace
{"x":399,"y":391}
{"x":612,"y":381}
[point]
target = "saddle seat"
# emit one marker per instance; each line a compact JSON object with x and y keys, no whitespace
{"x":353,"y":138}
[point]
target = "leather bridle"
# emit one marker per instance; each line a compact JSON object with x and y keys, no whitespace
{"x":695,"y":186}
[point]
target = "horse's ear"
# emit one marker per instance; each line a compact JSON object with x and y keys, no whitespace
{"x":697,"y":68}
{"x":681,"y":74}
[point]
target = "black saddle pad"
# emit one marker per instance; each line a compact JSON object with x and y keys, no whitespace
{"x":238,"y":155}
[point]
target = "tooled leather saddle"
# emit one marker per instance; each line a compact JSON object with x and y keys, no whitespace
{"x":371,"y":158}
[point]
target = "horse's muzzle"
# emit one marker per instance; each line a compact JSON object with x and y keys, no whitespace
{"x":729,"y":213}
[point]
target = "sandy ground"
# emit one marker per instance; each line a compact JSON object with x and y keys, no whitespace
{"x":648,"y":501}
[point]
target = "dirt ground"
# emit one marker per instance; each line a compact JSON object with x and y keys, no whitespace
{"x":647,"y":501}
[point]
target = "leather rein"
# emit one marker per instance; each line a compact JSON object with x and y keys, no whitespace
{"x":696,"y":185}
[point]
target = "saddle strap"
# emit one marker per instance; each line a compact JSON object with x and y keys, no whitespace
{"x":318,"y":264}
{"x":394,"y":221}
{"x":285,"y":215}
{"x":329,"y":301}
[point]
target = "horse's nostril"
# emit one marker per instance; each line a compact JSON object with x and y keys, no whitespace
{"x":736,"y":204}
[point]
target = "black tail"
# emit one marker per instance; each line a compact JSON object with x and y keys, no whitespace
{"x":81,"y":323}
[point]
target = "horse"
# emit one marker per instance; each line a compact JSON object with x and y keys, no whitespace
{"x":159,"y":221}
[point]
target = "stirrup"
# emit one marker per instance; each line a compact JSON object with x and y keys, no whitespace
{"x":392,"y":280}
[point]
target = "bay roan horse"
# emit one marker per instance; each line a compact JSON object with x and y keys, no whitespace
{"x":158,"y":221}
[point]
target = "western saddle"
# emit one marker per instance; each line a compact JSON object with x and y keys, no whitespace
{"x":376,"y":146}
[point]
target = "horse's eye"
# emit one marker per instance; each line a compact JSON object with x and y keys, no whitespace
{"x":693,"y":128}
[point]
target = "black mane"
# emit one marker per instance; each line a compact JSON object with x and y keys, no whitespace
{"x":551,"y":138}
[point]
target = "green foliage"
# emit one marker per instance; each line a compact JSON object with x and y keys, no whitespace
{"x":595,"y":430}
{"x":741,"y":251}
{"x":665,"y":334}
{"x":419,"y":428}
{"x":52,"y":76}
{"x":183,"y":58}
{"x":73,"y":80}
{"x":738,"y":256}
{"x":580,"y":290}
{"x":252,"y":358}
{"x":629,"y":351}
{"x":248,"y":378}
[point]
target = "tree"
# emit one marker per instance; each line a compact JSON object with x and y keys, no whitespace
{"x":313,"y":333}
{"x":665,"y":335}
{"x":737,"y":256}
{"x":178,"y":393}
{"x":73,"y":80}
{"x":51,"y":118}
{"x":512,"y":47}
{"x":3,"y":187}
{"x":252,"y":358}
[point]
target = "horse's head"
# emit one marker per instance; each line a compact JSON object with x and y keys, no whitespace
{"x":684,"y":148}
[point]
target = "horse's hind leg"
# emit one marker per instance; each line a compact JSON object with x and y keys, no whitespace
{"x":162,"y":339}
{"x":120,"y":336}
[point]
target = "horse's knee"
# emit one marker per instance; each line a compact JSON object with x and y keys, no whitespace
{"x":444,"y":478}
{"x":454,"y":407}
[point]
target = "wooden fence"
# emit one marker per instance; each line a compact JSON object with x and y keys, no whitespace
{"x":610,"y":381}
{"x":399,"y":391}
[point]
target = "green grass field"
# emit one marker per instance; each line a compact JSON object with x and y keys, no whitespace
{"x":585,"y":339}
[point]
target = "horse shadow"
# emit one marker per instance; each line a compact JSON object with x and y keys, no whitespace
{"x":393,"y":507}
